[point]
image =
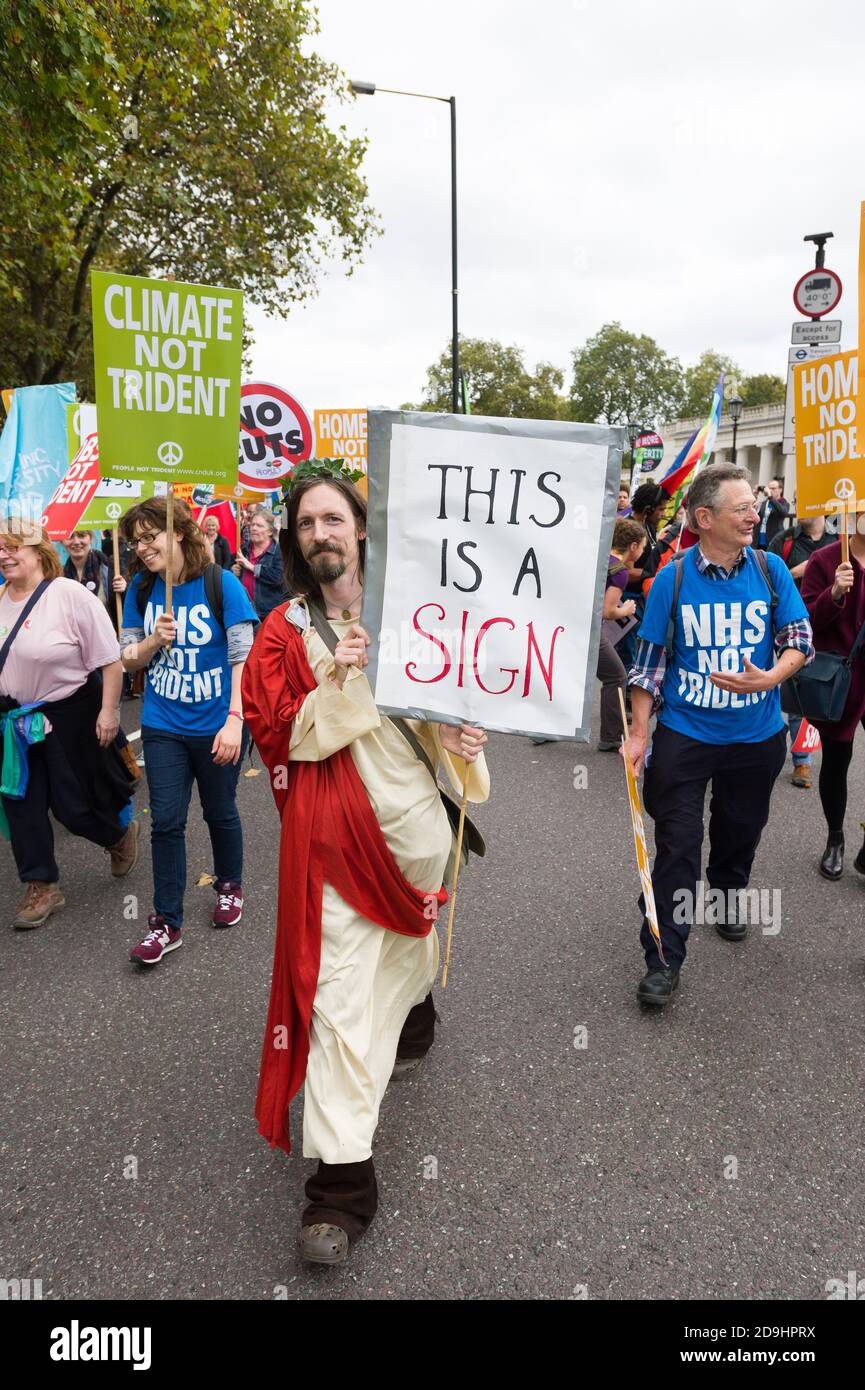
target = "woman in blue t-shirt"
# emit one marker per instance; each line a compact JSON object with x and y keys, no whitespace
{"x":192,"y":718}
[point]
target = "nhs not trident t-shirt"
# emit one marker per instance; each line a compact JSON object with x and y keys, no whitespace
{"x":720,"y":622}
{"x":188,"y":685}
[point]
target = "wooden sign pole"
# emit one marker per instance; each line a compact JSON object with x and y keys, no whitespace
{"x":169,"y":546}
{"x":845,"y":535}
{"x":457,"y":856}
{"x":115,"y":546}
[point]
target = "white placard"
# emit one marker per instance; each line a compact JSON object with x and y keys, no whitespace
{"x":491,"y":585}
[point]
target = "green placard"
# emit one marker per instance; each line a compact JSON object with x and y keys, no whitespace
{"x":167,"y":358}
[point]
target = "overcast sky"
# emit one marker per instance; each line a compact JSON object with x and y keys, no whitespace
{"x":652,"y":161}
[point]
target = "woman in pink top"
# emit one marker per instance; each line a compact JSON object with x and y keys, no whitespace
{"x":258,"y":564}
{"x":60,"y":677}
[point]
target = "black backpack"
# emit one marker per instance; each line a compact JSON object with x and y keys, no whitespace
{"x":762,"y":565}
{"x":212,"y":590}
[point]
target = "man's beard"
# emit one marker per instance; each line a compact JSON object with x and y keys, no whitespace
{"x":327,"y":567}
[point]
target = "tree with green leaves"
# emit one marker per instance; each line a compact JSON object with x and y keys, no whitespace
{"x":499,"y":382}
{"x":702,"y":378}
{"x":621,"y":378}
{"x":186,"y":139}
{"x":763,"y":389}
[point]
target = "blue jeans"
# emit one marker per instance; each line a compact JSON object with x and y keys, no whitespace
{"x":173,"y":762}
{"x":794,"y":723}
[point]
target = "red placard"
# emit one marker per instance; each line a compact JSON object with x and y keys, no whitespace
{"x":807,"y":739}
{"x":74,"y":492}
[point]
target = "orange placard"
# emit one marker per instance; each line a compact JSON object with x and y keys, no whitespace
{"x":830,"y":470}
{"x":342,"y":434}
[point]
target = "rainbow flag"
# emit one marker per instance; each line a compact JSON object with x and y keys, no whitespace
{"x":697,"y":450}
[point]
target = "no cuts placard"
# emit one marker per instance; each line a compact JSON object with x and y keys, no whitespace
{"x":486,"y":565}
{"x":167,"y":358}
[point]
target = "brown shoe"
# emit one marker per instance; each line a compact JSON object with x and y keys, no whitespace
{"x":323,"y":1243}
{"x":39,"y":901}
{"x":802,"y":777}
{"x":124,"y":855}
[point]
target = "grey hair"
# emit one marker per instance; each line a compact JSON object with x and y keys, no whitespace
{"x":266,"y":516}
{"x":706,"y":487}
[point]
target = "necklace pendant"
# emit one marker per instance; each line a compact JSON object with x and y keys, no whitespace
{"x":346,"y":614}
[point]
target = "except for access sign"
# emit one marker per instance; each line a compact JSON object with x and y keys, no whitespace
{"x":819,"y":331}
{"x":275,"y":435}
{"x":817,"y":292}
{"x":167,"y":359}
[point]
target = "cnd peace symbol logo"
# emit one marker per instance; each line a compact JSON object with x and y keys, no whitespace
{"x":169,"y":453}
{"x":845,"y":488}
{"x":113,"y":510}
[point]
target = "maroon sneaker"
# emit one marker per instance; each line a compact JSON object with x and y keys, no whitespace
{"x":229,"y":905}
{"x":161,"y":939}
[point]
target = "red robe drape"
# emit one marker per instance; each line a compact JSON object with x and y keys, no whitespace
{"x":329,"y":834}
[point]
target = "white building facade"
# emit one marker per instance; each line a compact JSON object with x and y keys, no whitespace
{"x":758,"y":444}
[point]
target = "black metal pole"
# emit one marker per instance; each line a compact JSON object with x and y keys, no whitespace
{"x":735,"y":427}
{"x":455,"y":344}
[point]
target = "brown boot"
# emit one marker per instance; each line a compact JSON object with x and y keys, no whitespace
{"x":124,"y":855}
{"x":39,"y":901}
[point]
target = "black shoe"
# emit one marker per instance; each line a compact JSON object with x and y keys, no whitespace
{"x":832,"y":863}
{"x":731,"y":929}
{"x":859,"y":861}
{"x":657,"y":986}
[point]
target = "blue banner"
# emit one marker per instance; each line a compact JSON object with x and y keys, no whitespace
{"x":33,"y":448}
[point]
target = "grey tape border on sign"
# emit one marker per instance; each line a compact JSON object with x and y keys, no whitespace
{"x":380,"y":433}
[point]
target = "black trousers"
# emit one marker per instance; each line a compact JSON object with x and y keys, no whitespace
{"x":52,"y":786}
{"x":834,"y":766}
{"x":742,"y":777}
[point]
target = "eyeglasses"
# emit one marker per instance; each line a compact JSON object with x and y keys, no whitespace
{"x":744,"y":509}
{"x":145,"y":540}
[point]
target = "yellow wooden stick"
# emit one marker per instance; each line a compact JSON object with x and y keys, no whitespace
{"x":115,"y":546}
{"x":456,"y":873}
{"x":845,"y":536}
{"x":169,"y":546}
{"x":624,"y":710}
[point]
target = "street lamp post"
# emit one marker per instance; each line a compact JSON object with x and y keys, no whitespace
{"x":370,"y":89}
{"x":736,"y":404}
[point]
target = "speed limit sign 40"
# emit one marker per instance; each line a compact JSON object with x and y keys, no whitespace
{"x":817,"y":292}
{"x":275,"y":435}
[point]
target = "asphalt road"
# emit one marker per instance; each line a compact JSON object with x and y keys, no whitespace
{"x":709,"y":1151}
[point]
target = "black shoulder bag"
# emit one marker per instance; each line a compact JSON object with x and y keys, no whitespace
{"x":472,"y":837}
{"x":819,"y":691}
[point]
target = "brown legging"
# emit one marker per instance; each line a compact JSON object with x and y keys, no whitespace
{"x":611,"y":674}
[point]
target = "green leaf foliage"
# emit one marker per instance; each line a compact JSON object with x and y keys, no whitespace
{"x":622,"y":378}
{"x":701,"y":379}
{"x":499,"y":382}
{"x":763,"y":389}
{"x":188,"y":139}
